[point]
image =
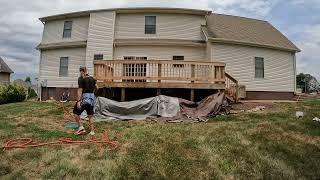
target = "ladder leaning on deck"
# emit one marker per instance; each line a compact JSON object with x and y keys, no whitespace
{"x":232,"y":88}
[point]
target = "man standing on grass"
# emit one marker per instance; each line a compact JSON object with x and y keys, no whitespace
{"x":86,"y":100}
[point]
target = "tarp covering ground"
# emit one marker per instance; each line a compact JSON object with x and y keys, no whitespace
{"x":161,"y":106}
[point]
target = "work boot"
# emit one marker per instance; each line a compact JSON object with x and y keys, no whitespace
{"x":92,"y":133}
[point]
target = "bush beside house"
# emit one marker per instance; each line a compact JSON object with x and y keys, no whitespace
{"x":12,"y":93}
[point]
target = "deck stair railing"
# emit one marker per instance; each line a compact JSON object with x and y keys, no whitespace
{"x":232,"y":88}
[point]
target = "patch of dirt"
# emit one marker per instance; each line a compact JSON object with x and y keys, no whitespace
{"x":245,"y":142}
{"x":269,"y":106}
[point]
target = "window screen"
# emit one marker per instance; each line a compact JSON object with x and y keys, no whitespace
{"x":63,"y":70}
{"x":98,"y":57}
{"x":67,"y":29}
{"x":259,"y":67}
{"x":150,"y":25}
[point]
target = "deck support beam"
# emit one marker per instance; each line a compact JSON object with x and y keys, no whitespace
{"x":192,"y":95}
{"x":158,"y":91}
{"x":123,"y":94}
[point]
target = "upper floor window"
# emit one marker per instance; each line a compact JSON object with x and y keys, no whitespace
{"x":67,"y":28}
{"x":150,"y":25}
{"x":63,"y":69}
{"x":259,"y":67}
{"x":98,"y":57}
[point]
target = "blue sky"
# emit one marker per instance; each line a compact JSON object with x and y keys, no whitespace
{"x":20,"y":29}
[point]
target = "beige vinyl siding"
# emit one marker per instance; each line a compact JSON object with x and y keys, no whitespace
{"x":4,"y":78}
{"x":240,"y":63}
{"x":208,"y":50}
{"x":168,"y":26}
{"x":50,"y":62}
{"x":100,"y":36}
{"x":53,"y":30}
{"x":161,"y":52}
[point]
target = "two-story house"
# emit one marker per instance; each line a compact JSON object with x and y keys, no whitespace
{"x":166,"y":48}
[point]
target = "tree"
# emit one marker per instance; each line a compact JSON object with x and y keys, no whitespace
{"x":307,"y":83}
{"x":28,"y":79}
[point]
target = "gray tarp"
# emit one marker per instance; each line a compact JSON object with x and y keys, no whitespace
{"x":168,"y":108}
{"x":164,"y":106}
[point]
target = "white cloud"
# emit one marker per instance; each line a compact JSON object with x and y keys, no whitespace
{"x":248,"y":8}
{"x":308,"y":60}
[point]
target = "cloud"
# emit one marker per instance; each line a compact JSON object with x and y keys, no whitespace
{"x":308,"y":60}
{"x":20,"y":30}
{"x":248,"y":8}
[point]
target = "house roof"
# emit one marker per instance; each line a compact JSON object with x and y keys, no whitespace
{"x":246,"y":31}
{"x":4,"y":67}
{"x":127,"y":10}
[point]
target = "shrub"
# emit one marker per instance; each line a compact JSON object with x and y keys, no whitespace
{"x":12,"y":93}
{"x":31,"y":93}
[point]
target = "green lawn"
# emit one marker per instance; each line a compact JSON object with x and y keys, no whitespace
{"x":265,"y":145}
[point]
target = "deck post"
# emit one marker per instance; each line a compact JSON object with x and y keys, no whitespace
{"x":158,"y":91}
{"x":192,"y":95}
{"x":159,"y":72}
{"x":192,"y":72}
{"x":123,"y":94}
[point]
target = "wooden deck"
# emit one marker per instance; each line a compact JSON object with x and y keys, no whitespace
{"x":160,"y":74}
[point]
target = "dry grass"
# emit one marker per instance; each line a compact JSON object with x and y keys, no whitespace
{"x":265,"y":145}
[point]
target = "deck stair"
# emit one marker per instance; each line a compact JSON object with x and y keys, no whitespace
{"x":232,"y":88}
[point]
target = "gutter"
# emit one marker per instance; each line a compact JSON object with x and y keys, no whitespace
{"x":229,"y":41}
{"x":60,"y":45}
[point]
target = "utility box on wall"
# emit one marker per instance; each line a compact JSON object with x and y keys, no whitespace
{"x":242,"y":92}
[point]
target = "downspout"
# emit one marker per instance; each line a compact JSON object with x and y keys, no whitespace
{"x":295,"y":72}
{"x":114,"y":34}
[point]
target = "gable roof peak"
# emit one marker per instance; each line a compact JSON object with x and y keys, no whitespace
{"x":4,"y":67}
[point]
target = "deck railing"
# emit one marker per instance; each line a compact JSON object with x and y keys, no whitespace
{"x":159,"y":71}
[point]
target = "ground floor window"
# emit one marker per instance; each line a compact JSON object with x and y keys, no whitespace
{"x":259,"y":67}
{"x":63,"y":68}
{"x":178,"y":58}
{"x":135,"y":70}
{"x":98,"y":57}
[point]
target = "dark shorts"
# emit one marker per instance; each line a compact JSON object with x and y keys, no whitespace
{"x":85,"y":107}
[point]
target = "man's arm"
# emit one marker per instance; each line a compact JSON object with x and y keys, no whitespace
{"x":79,"y":91}
{"x":79,"y":94}
{"x":96,"y":88}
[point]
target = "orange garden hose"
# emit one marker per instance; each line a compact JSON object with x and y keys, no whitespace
{"x":28,"y":142}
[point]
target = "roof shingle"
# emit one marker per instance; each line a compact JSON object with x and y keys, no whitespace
{"x":246,"y":30}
